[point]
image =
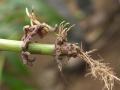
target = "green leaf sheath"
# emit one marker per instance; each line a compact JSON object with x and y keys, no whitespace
{"x":34,"y":48}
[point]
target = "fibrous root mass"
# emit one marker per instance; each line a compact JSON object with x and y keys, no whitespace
{"x":63,"y":49}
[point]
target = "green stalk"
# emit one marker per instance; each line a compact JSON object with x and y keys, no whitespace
{"x":34,"y":48}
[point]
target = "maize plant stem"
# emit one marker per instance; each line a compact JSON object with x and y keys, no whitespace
{"x":34,"y":48}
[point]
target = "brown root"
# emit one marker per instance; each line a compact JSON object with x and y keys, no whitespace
{"x":36,"y":28}
{"x":97,"y":70}
{"x":100,"y":71}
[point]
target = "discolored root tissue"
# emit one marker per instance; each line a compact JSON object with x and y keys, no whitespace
{"x":36,"y":28}
{"x":97,"y":69}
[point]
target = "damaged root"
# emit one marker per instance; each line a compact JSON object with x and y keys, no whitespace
{"x":35,"y":28}
{"x":65,"y":50}
{"x":62,"y":48}
{"x":98,"y":70}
